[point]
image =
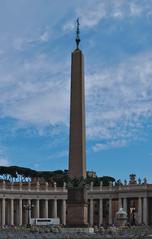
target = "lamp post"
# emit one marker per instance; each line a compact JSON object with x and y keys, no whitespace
{"x":28,"y":207}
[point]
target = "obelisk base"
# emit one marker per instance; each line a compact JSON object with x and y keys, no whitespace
{"x":77,"y":208}
{"x":77,"y":215}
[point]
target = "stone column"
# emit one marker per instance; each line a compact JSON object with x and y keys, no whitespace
{"x":46,"y":209}
{"x":145,"y":208}
{"x":12,"y":212}
{"x":3,"y":211}
{"x":55,"y":208}
{"x":64,"y":212}
{"x":125,"y":204}
{"x":100,"y":211}
{"x":110,"y":211}
{"x":37,"y":208}
{"x":29,"y":211}
{"x":119,"y":203}
{"x":91,"y":212}
{"x":20,"y":212}
{"x":139,"y":210}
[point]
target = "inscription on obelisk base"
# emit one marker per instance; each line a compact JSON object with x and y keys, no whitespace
{"x":77,"y":207}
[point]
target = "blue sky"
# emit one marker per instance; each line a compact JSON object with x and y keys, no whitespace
{"x":36,"y":40}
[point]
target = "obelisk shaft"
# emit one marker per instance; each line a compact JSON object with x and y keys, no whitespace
{"x":77,"y":147}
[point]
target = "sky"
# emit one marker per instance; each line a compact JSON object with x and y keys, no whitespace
{"x":36,"y":41}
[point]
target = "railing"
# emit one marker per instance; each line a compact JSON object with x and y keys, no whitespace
{"x":28,"y":186}
{"x":116,"y":188}
{"x":44,"y":187}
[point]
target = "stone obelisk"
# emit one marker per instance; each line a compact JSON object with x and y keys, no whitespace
{"x":77,"y":148}
{"x":77,"y":207}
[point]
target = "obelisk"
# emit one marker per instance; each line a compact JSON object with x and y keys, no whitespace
{"x":77,"y":207}
{"x":77,"y":145}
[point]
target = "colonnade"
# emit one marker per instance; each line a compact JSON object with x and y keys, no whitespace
{"x":15,"y":211}
{"x":141,"y":213}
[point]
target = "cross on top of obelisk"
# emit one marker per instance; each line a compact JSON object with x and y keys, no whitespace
{"x":77,"y":34}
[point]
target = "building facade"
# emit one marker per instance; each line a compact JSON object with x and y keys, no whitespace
{"x":50,"y":201}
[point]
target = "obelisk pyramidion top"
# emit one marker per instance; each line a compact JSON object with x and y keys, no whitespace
{"x":77,"y":144}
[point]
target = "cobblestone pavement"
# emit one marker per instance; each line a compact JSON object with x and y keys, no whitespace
{"x":44,"y":233}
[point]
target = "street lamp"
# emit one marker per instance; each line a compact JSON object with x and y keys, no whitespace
{"x":28,"y":207}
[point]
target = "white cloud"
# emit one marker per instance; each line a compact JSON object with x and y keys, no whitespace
{"x":118,"y":98}
{"x":119,"y":101}
{"x":92,"y":12}
{"x":135,"y":9}
{"x":59,"y":154}
{"x":3,"y":160}
{"x":45,"y":36}
{"x":109,"y":145}
{"x":91,"y":15}
{"x":36,"y":93}
{"x":22,"y":42}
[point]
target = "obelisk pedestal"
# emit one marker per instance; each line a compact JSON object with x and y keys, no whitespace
{"x":77,"y":207}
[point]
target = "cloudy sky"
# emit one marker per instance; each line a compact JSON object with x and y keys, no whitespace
{"x":36,"y":40}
